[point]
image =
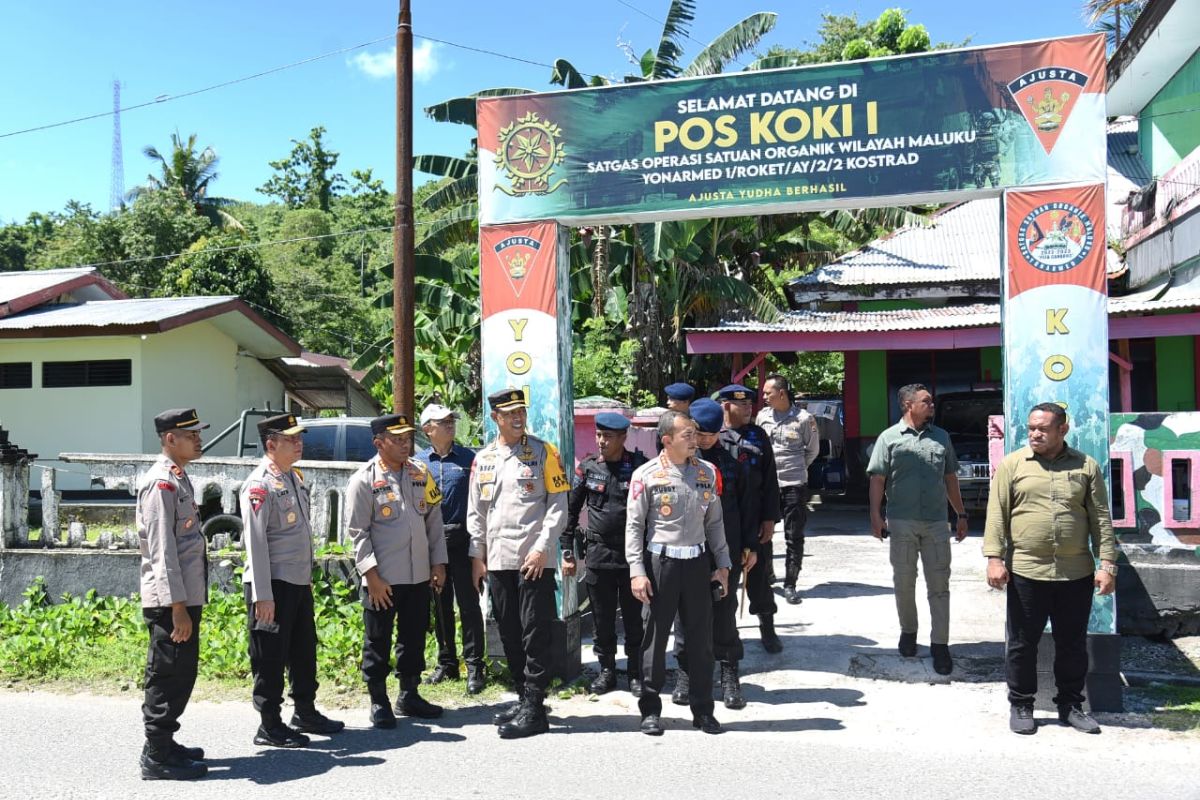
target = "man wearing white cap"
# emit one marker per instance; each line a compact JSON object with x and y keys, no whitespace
{"x":450,"y":465}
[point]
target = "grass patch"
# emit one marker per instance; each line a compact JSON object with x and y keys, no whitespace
{"x":1178,"y":708}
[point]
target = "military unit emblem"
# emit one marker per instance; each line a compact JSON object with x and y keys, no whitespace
{"x":1045,"y":97}
{"x":1055,"y":237}
{"x":528,"y":153}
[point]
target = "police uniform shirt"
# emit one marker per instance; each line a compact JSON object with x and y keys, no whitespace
{"x":275,"y":529}
{"x":169,"y":537}
{"x":751,"y":446}
{"x":795,"y":441}
{"x":395,"y":521}
{"x":517,"y":501}
{"x":603,"y":486}
{"x":674,"y":506}
{"x":734,"y":500}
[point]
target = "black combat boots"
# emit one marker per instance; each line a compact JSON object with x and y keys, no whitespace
{"x":606,"y":681}
{"x":530,"y":720}
{"x":411,"y":704}
{"x":766,"y":629}
{"x":307,"y":719}
{"x":381,"y":706}
{"x":509,"y":712}
{"x":161,"y":762}
{"x":680,"y":696}
{"x":731,"y":687}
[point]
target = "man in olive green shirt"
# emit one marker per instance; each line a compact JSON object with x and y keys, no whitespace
{"x":1047,"y":521}
{"x":913,"y":462}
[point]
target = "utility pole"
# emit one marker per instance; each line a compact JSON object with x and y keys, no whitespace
{"x":403,"y":241}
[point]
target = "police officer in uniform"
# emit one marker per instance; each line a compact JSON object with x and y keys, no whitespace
{"x":751,"y":446}
{"x":673,"y":534}
{"x":278,"y":588}
{"x":395,"y":523}
{"x":450,"y":464}
{"x":174,"y":587}
{"x":516,"y":509}
{"x":727,"y":643}
{"x":796,"y":443}
{"x":679,"y":397}
{"x":602,"y":484}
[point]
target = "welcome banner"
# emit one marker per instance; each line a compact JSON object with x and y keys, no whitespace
{"x":930,"y":127}
{"x":1055,"y":323}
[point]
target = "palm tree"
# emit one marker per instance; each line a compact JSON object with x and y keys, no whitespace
{"x":189,"y":173}
{"x":1124,"y":13}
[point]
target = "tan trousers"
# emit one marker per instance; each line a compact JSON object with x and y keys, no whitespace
{"x":931,"y":541}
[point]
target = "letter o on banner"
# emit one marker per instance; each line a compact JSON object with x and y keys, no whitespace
{"x":519,"y":363}
{"x":1058,"y":368}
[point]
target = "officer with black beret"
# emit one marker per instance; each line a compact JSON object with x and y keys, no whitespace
{"x":679,"y":397}
{"x":751,"y":446}
{"x":278,"y":587}
{"x":602,"y":485}
{"x":174,"y":588}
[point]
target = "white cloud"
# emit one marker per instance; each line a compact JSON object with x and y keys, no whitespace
{"x":383,"y":65}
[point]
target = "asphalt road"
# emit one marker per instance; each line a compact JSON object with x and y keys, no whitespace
{"x":838,"y":714}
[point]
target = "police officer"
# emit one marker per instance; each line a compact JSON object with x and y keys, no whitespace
{"x":794,"y":438}
{"x":679,"y":397}
{"x":174,"y":587}
{"x":278,"y":587}
{"x":395,"y":523}
{"x":673,"y":524}
{"x":751,"y":446}
{"x":517,"y":508}
{"x":450,"y":465}
{"x":602,"y":484}
{"x":727,"y":644}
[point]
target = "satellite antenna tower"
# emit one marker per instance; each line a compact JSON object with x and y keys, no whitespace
{"x":116,"y":193}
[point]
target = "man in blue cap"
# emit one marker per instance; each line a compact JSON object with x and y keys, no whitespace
{"x":679,"y":397}
{"x":751,"y":446}
{"x":743,"y":552}
{"x":602,"y":484}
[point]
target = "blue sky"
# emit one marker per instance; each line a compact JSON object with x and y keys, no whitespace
{"x":59,"y":60}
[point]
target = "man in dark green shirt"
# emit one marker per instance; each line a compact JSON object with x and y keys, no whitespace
{"x":1047,"y":522}
{"x":913,"y":463}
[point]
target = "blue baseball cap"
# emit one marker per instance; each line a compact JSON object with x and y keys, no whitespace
{"x":735,"y":391}
{"x":611,"y":421}
{"x":679,"y":391}
{"x":708,"y":415}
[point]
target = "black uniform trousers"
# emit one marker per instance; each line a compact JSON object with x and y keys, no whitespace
{"x":680,"y":586}
{"x":793,"y":502}
{"x":459,"y":588}
{"x":524,"y":611}
{"x":609,"y":590}
{"x":726,"y":641}
{"x":170,"y":672}
{"x":409,"y":618}
{"x":1067,"y":604}
{"x":758,"y":587}
{"x":292,"y":646}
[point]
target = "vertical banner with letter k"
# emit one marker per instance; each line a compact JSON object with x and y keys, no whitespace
{"x":1055,"y":315}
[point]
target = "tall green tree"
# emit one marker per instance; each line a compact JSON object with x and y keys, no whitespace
{"x":189,"y":171}
{"x":306,"y":178}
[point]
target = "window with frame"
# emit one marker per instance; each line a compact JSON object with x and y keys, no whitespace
{"x":16,"y":375}
{"x":71,"y":374}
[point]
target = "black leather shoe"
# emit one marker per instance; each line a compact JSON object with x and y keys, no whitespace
{"x":635,"y":685}
{"x":792,"y":595}
{"x":943,"y":664}
{"x":731,"y":687}
{"x":411,"y":704}
{"x":509,"y":713}
{"x":382,"y":716}
{"x":313,"y":721}
{"x":279,"y":735}
{"x":766,"y":630}
{"x":907,"y":645}
{"x":1020,"y":720}
{"x":605,"y":682}
{"x":1077,"y":718}
{"x":530,"y":721}
{"x":443,"y":672}
{"x":707,"y":723}
{"x":476,"y":678}
{"x":682,"y":688}
{"x":194,"y":753}
{"x":652,"y":725}
{"x":167,"y":765}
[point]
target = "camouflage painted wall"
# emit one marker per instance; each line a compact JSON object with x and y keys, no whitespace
{"x":1156,"y":462}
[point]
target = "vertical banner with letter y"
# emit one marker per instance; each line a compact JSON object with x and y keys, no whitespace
{"x":1055,"y":315}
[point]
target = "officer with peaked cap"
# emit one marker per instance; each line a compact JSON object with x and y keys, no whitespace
{"x":278,"y":587}
{"x":395,"y":522}
{"x":174,"y":588}
{"x":679,"y":396}
{"x":743,"y":552}
{"x":751,"y":446}
{"x":517,"y":508}
{"x":602,"y":485}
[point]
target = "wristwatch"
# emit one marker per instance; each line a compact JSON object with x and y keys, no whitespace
{"x":568,"y":556}
{"x":1111,"y":569}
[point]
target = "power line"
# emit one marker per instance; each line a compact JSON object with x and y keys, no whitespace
{"x":496,"y":54}
{"x":663,"y":22}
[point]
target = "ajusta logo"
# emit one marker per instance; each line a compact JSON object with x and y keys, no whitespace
{"x":1046,"y":97}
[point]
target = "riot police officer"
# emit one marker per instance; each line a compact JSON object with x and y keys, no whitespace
{"x":602,"y":484}
{"x":751,"y":446}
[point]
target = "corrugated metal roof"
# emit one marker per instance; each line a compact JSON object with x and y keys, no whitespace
{"x":962,"y":243}
{"x":19,"y":284}
{"x":109,"y":313}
